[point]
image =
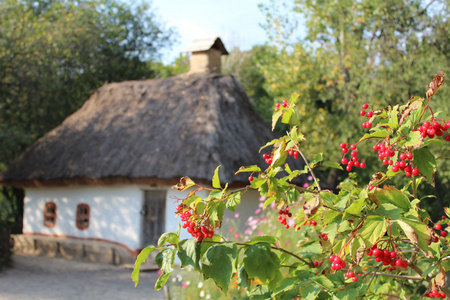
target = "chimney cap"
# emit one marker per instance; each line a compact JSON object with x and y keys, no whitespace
{"x":207,"y":44}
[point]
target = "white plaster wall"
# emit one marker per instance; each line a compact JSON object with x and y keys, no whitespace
{"x":114,"y":212}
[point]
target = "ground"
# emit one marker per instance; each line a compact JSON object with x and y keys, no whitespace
{"x":39,"y":278}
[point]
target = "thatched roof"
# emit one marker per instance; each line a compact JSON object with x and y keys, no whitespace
{"x":151,"y":132}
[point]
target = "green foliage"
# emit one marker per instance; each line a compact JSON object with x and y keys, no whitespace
{"x":353,"y":53}
{"x":53,"y":54}
{"x":334,"y":232}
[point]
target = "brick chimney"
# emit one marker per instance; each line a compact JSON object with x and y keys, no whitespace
{"x":205,"y":55}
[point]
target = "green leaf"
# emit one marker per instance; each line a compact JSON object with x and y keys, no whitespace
{"x":243,"y":281}
{"x":328,"y":198}
{"x":357,"y":249}
{"x":262,"y":292}
{"x":348,"y":294}
{"x":280,"y":155}
{"x":189,"y":253}
{"x":310,"y":292}
{"x":324,"y":282}
{"x":417,"y":232}
{"x":285,"y":285}
{"x":373,"y":229}
{"x":318,"y":159}
{"x":355,"y":207}
{"x":413,"y":139}
{"x":294,"y":97}
{"x":330,"y":164}
{"x":426,"y":163}
{"x":165,"y":260}
{"x":260,"y":262}
{"x":376,"y":134}
{"x":390,"y":211}
{"x":215,"y":210}
{"x":287,"y":115}
{"x":257,"y":182}
{"x":253,"y":168}
{"x":216,"y":180}
{"x":167,"y":237}
{"x":217,"y":263}
{"x":393,"y":118}
{"x":275,"y":117}
{"x":233,"y":201}
{"x":263,"y":239}
{"x":310,"y":250}
{"x":389,"y":194}
{"x":292,"y":195}
{"x":139,"y":261}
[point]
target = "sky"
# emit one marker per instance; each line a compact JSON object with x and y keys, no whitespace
{"x":236,"y":22}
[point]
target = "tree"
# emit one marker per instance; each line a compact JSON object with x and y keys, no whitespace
{"x":352,"y":52}
{"x":54,"y":53}
{"x":371,"y":240}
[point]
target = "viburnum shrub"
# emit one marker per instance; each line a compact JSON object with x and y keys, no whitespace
{"x":366,"y":241}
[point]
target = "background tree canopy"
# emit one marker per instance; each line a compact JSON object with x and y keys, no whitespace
{"x":53,"y":53}
{"x":376,"y":52}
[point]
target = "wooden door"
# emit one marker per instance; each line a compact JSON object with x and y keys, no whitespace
{"x":154,"y":212}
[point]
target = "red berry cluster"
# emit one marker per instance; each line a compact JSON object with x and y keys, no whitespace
{"x":443,"y":232}
{"x":351,"y":275}
{"x":337,"y":263}
{"x":388,"y":258}
{"x":284,"y":104}
{"x":294,"y":153}
{"x":385,"y":154}
{"x":197,"y":231}
{"x":435,"y":294}
{"x":354,"y":161}
{"x":283,"y":219}
{"x":368,"y":114}
{"x":428,"y":129}
{"x":324,"y":236}
{"x":268,"y":157}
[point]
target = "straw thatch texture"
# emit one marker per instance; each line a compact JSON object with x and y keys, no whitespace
{"x":149,"y":132}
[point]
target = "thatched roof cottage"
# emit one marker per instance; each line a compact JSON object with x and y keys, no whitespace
{"x":100,"y":182}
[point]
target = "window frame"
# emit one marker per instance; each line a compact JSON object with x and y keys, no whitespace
{"x":51,"y":214}
{"x":83,"y":216}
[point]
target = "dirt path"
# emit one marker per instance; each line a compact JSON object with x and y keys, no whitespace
{"x":54,"y":278}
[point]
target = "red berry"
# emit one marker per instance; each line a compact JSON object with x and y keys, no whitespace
{"x":353,"y":146}
{"x":362,"y":113}
{"x":250,"y":178}
{"x":376,"y":252}
{"x":344,"y":161}
{"x":447,"y":138}
{"x":444,"y":217}
{"x":415,"y":171}
{"x":315,"y":264}
{"x":362,"y":165}
{"x":343,"y":145}
{"x":365,"y":106}
{"x":369,"y":114}
{"x":443,"y":233}
{"x":437,"y":226}
{"x":355,"y":279}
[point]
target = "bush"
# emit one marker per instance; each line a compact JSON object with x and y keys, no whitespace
{"x":368,"y":240}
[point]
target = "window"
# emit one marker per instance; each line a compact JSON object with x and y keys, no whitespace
{"x":82,"y":216}
{"x":50,"y":214}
